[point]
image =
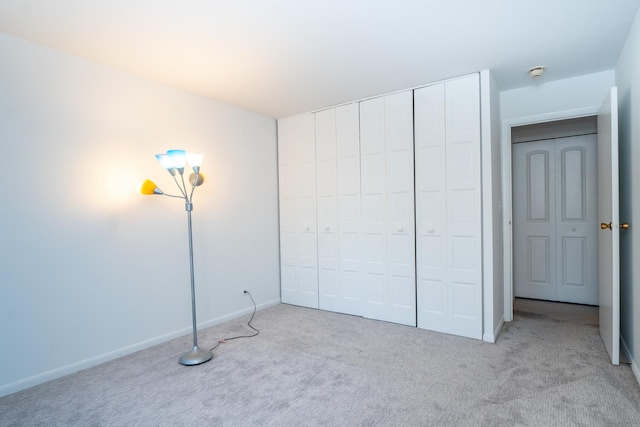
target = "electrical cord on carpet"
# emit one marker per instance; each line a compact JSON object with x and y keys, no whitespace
{"x":256,"y":331}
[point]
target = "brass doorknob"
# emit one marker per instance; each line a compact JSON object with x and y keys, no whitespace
{"x":624,"y":226}
{"x":604,"y":226}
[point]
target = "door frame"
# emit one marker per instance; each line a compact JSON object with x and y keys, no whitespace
{"x":507,"y":183}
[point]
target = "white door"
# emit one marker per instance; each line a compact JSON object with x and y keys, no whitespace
{"x":609,"y":214}
{"x":577,"y":219}
{"x":534,"y":220}
{"x":338,"y":199}
{"x":555,"y":219}
{"x":297,"y":189}
{"x":327,"y":205}
{"x":388,"y":246}
{"x":448,"y":201}
{"x":433,"y":287}
{"x":349,"y":223}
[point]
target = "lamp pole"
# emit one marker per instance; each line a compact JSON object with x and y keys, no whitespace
{"x":172,"y":161}
{"x":196,"y":355}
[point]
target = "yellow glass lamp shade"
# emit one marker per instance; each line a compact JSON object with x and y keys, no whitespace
{"x":148,"y":187}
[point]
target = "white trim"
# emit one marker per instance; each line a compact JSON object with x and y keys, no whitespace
{"x":634,"y":366}
{"x":507,"y":124}
{"x":486,"y":205}
{"x":491,"y":338}
{"x":102,"y":358}
{"x":507,"y":254}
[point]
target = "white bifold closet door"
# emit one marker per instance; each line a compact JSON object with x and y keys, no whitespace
{"x":448,"y":207}
{"x":388,"y":217}
{"x":298,"y":227}
{"x":338,"y":200}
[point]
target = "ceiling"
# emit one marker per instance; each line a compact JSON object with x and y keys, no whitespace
{"x":283,"y":57}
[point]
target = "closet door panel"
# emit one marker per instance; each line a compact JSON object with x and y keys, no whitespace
{"x":373,"y":185}
{"x":308,"y":249}
{"x":338,"y":192}
{"x":463,"y":180}
{"x":448,"y":211}
{"x":297,"y":185}
{"x":577,"y":224}
{"x":327,"y":199}
{"x":534,"y":220}
{"x":388,"y":261}
{"x":400,"y":208}
{"x":431,"y":209}
{"x":289,"y":222}
{"x":348,"y":190}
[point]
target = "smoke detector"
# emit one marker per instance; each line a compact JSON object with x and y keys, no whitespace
{"x":536,"y":71}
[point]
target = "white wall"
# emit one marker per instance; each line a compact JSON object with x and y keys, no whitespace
{"x":89,"y":270}
{"x":560,"y":95}
{"x":628,"y":82}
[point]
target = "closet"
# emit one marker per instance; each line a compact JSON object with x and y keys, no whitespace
{"x":555,"y":211}
{"x":297,"y":193}
{"x":337,"y":136}
{"x":381,"y":208}
{"x":448,"y":202}
{"x":388,"y":231}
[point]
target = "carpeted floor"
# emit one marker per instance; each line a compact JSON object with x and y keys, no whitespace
{"x":315,"y":368}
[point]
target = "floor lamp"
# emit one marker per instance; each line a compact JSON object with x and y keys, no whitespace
{"x":172,"y":161}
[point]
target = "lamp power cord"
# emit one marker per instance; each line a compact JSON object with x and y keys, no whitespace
{"x":255,"y":331}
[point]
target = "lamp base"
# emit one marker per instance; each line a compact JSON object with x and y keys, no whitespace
{"x":196,"y":356}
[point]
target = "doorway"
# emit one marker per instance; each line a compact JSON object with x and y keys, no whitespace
{"x":608,"y":211}
{"x":555,"y":241}
{"x":507,"y":204}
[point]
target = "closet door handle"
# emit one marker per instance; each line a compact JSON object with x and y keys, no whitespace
{"x":400,"y":229}
{"x":604,"y":226}
{"x":306,"y":228}
{"x":624,"y":225}
{"x":327,"y":228}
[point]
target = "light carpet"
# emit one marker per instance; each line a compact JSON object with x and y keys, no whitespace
{"x":316,"y":368}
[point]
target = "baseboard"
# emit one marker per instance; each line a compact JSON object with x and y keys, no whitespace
{"x":634,"y":366}
{"x":53,"y":374}
{"x":231,"y":316}
{"x":494,"y":336}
